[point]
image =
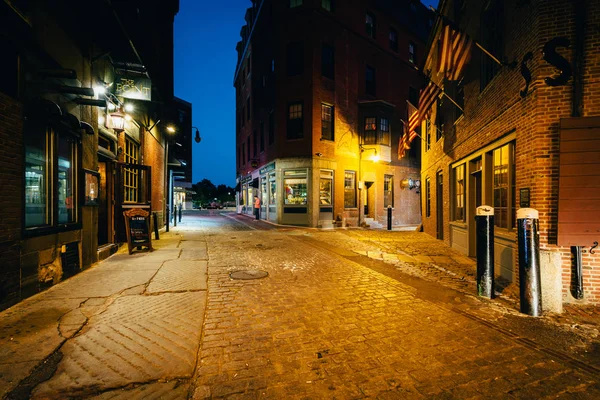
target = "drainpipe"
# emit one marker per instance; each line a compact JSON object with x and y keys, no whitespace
{"x":577,"y":111}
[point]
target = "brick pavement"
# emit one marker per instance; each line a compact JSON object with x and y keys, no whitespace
{"x":321,"y":326}
{"x":340,"y":316}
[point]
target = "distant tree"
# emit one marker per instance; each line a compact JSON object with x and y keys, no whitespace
{"x":206,"y":191}
{"x":225,"y":193}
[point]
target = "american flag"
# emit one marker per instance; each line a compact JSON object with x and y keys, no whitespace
{"x":455,"y":52}
{"x":415,"y":116}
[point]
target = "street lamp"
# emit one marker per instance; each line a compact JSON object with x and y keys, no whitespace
{"x":197,"y":138}
{"x":375,"y":158}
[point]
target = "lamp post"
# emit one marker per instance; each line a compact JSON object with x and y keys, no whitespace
{"x":361,"y":185}
{"x":168,"y":179}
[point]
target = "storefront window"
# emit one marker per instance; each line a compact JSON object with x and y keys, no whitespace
{"x":272,"y":190}
{"x":66,"y":179}
{"x":295,"y":186}
{"x":388,"y":191}
{"x":295,"y":190}
{"x":263,"y":191}
{"x":459,"y":193}
{"x":325,"y":188}
{"x":36,"y":181}
{"x":50,"y":199}
{"x":249,"y":199}
{"x":350,"y":189}
{"x":500,"y":187}
{"x":131,"y":175}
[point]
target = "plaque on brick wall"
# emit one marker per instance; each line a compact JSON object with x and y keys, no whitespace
{"x":524,"y":198}
{"x":137,"y":226}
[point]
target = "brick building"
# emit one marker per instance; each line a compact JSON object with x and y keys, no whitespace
{"x":68,"y":171}
{"x":321,"y":95}
{"x":527,"y":138}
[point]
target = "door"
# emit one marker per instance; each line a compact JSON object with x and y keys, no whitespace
{"x":104,"y":205}
{"x":326,"y":195}
{"x":132,"y":190}
{"x":439,"y":204}
{"x":475,"y":199}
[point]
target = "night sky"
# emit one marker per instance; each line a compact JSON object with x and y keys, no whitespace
{"x":206,"y":33}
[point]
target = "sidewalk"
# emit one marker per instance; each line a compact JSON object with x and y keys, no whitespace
{"x":129,"y":318}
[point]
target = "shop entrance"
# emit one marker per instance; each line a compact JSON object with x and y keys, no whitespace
{"x":105,"y":206}
{"x":326,"y":196}
{"x":369,"y":199}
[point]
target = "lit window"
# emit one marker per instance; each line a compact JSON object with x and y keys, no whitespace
{"x":503,"y":187}
{"x":384,"y":131}
{"x":428,"y":197}
{"x":131,"y":175}
{"x":370,"y":136}
{"x":459,"y":193}
{"x":349,"y":189}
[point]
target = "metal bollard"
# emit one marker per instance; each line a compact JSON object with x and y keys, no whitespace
{"x":168,"y":218}
{"x":155,"y":222}
{"x":529,"y":261}
{"x":180,"y":211}
{"x":389,"y":219}
{"x":484,"y":222}
{"x":175,"y":215}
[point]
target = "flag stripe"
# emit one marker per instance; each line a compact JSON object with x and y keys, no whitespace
{"x":454,"y":52}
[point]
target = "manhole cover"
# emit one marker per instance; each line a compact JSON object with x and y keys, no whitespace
{"x":248,"y":274}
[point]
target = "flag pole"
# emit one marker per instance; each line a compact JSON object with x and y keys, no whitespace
{"x":406,"y":124}
{"x":448,"y":97}
{"x":480,"y":47}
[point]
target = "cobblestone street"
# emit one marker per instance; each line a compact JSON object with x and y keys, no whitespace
{"x":342,"y":314}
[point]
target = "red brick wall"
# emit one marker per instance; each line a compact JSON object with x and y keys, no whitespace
{"x":345,"y":31}
{"x":154,"y":156}
{"x":11,"y":209}
{"x":499,"y":109}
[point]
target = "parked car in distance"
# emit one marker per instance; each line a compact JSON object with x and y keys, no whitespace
{"x":214,"y":205}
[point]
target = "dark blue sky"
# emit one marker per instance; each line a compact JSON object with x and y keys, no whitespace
{"x":206,"y":33}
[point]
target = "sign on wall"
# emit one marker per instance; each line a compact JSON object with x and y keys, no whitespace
{"x":132,"y":87}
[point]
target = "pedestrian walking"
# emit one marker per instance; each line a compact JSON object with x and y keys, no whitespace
{"x":257,"y":207}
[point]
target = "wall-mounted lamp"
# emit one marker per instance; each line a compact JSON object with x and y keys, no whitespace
{"x":410,"y":184}
{"x":170,"y":129}
{"x":118,"y":120}
{"x":197,"y":138}
{"x":375,"y":157}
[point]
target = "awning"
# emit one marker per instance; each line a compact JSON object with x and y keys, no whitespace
{"x":107,"y":134}
{"x":106,"y":153}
